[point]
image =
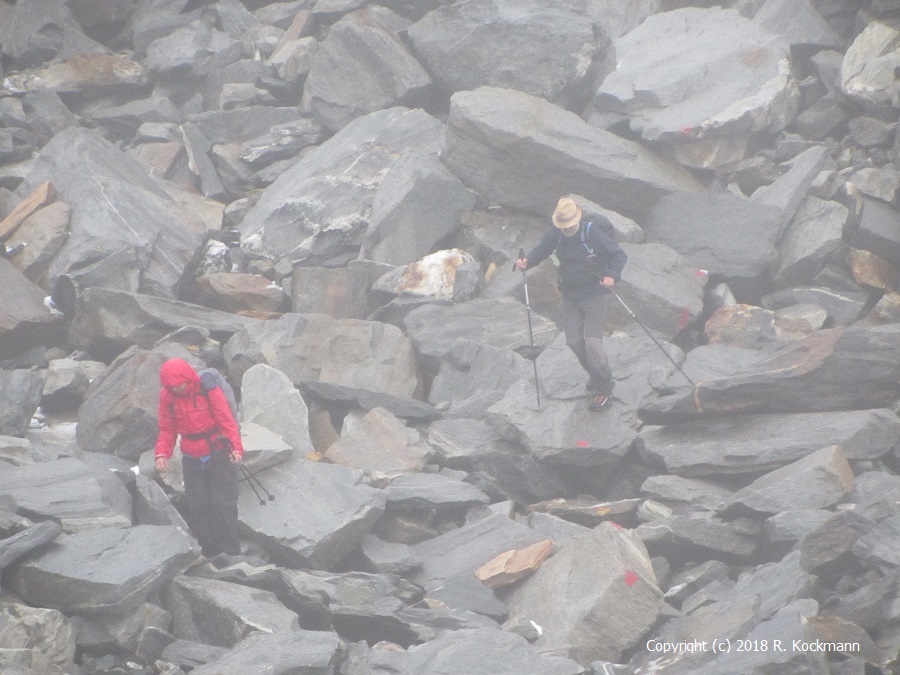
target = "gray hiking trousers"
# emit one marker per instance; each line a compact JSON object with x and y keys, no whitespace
{"x":583,"y":324}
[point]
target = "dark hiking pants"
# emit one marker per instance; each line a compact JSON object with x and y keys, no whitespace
{"x":583,"y":324}
{"x":211,"y":491}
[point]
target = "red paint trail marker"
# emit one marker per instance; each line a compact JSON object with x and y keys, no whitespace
{"x":582,"y":444}
{"x":631,"y":578}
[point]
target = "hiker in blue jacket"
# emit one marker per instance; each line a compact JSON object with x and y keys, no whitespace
{"x":590,"y":263}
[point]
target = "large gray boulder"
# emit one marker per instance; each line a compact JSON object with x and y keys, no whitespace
{"x":699,"y":73}
{"x":319,"y":209}
{"x":752,"y":443}
{"x":20,"y":395}
{"x":808,"y":242}
{"x":78,"y":496}
{"x":320,"y":513}
{"x":867,"y":72}
{"x":108,"y":322}
{"x":119,"y":414}
{"x":269,"y":398}
{"x":104,"y":571}
{"x":44,"y":29}
{"x":126,"y":233}
{"x":221,"y":613}
{"x":366,"y":355}
{"x":24,"y":319}
{"x":523,"y":152}
{"x":878,"y":230}
{"x":799,"y":22}
{"x":362,"y":66}
{"x":532,"y":47}
{"x":807,"y":375}
{"x":47,"y":632}
{"x":594,"y":599}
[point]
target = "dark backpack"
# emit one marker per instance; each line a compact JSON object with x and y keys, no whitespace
{"x":210,"y":378}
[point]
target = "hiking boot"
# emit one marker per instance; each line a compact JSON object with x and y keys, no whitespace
{"x":599,"y":403}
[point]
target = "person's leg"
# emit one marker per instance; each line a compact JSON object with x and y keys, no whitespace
{"x":594,"y":324}
{"x":573,"y":327}
{"x":223,"y":501}
{"x":197,"y":496}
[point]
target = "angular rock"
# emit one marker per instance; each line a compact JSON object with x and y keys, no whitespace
{"x":283,"y":141}
{"x":867,"y":72}
{"x":511,"y":566}
{"x":380,"y":445}
{"x":699,"y":536}
{"x":740,"y":242}
{"x":309,"y":652}
{"x":42,"y":235}
{"x":198,"y":148}
{"x":20,"y":395}
{"x":78,"y":496}
{"x":119,"y":414}
{"x":811,"y":238}
{"x":46,"y":631}
{"x":473,"y":376}
{"x":828,"y":549}
{"x":119,"y":631}
{"x":192,"y":50}
{"x":522,"y":152}
{"x":28,"y":540}
{"x":690,"y":73}
{"x":798,"y":22}
{"x":364,"y":355}
{"x":880,"y":183}
{"x":189,"y":654}
{"x":661,"y":286}
{"x":612,"y":615}
{"x":535,"y":48}
{"x":759,"y":442}
{"x":817,"y":481}
{"x":339,"y":293}
{"x":221,"y":614}
{"x":805,"y":376}
{"x":869,"y":606}
{"x":105,"y":571}
{"x":787,"y":192}
{"x":878,"y":230}
{"x":362,"y":66}
{"x":237,"y":292}
{"x":67,"y":381}
{"x":270,"y":399}
{"x":319,"y":208}
{"x":405,"y":408}
{"x":16,"y":451}
{"x":152,"y":505}
{"x":496,"y":466}
{"x":386,"y":557}
{"x":411,"y":492}
{"x":129,"y":235}
{"x":750,"y":327}
{"x":24,"y":319}
{"x":789,"y":527}
{"x":685,"y":494}
{"x":434,"y":328}
{"x":442,"y":274}
{"x":43,"y":195}
{"x":878,"y":547}
{"x":463,"y":550}
{"x":843,"y":306}
{"x":869,"y":132}
{"x":418,"y":204}
{"x":320,"y":513}
{"x":42,"y":30}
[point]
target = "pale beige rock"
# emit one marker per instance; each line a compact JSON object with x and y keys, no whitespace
{"x":510,"y":566}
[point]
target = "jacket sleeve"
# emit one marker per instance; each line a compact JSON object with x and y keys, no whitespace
{"x":613,"y":253}
{"x":544,"y":248}
{"x":221,"y":412}
{"x":165,"y":439}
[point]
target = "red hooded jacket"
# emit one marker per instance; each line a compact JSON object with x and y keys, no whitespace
{"x":191,"y":413}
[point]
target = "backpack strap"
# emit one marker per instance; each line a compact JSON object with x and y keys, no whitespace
{"x":585,"y":233}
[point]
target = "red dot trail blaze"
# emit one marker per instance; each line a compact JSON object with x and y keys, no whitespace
{"x":582,"y":444}
{"x":631,"y":578}
{"x":685,"y":318}
{"x":686,"y":132}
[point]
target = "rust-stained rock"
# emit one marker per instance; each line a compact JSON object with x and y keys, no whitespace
{"x":81,"y":73}
{"x":38,"y":199}
{"x":887,"y":310}
{"x":751,"y":327}
{"x":239,"y":292}
{"x":510,"y":566}
{"x":433,"y":275}
{"x":836,"y":369}
{"x":587,"y":512}
{"x":42,"y":234}
{"x":872,"y":271}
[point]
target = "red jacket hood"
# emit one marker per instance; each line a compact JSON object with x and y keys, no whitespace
{"x":179,"y":371}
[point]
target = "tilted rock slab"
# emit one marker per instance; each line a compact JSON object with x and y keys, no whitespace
{"x":221,"y":613}
{"x":752,"y":443}
{"x":78,"y":496}
{"x":366,"y":355}
{"x":867,"y":72}
{"x":47,"y":631}
{"x":125,"y":232}
{"x":300,"y":651}
{"x":105,"y":571}
{"x":109,"y":321}
{"x":532,"y":47}
{"x":808,"y":375}
{"x":24,"y":319}
{"x":699,"y":72}
{"x":520,"y":151}
{"x":594,"y":599}
{"x":319,"y":209}
{"x":320,"y":512}
{"x":269,"y":398}
{"x":20,"y":395}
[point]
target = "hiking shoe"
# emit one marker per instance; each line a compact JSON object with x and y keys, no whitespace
{"x":599,"y":403}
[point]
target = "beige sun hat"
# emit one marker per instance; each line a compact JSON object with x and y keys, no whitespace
{"x":567,"y":213}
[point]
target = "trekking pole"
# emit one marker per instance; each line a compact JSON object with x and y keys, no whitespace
{"x":251,"y":479}
{"x":655,"y":341}
{"x":537,"y":389}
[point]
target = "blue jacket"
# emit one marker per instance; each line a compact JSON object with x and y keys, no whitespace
{"x":578,"y":279}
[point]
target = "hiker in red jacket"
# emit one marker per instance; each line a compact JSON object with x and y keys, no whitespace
{"x":210,"y":445}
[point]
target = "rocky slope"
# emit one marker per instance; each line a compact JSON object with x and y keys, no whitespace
{"x":323,"y":198}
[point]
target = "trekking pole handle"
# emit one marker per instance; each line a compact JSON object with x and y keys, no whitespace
{"x":521,"y":255}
